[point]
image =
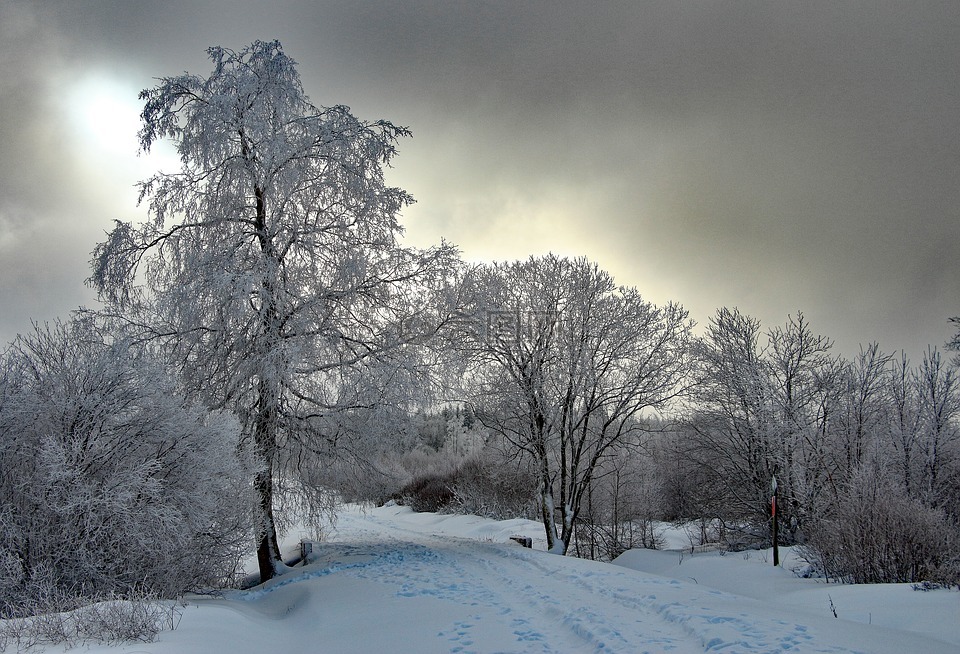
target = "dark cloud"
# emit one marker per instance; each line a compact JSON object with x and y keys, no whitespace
{"x":773,"y":156}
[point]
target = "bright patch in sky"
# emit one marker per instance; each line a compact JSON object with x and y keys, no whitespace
{"x":106,"y":116}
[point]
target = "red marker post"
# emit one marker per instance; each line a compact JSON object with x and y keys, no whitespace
{"x":773,"y":517}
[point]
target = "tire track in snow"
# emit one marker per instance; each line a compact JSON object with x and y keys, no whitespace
{"x":711,"y":628}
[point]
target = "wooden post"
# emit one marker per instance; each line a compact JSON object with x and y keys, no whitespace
{"x":773,"y":517}
{"x":306,"y":549}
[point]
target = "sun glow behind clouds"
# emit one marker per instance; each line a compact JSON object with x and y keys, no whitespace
{"x":105,"y":117}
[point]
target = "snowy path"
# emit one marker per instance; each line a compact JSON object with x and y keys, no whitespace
{"x":532,"y":598}
{"x":389,"y":580}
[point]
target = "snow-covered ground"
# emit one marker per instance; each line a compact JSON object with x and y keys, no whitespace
{"x":390,"y":580}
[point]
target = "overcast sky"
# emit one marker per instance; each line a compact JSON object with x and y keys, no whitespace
{"x":771,"y":156}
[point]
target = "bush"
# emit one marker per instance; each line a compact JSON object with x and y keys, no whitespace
{"x":428,"y":494}
{"x":58,"y":618}
{"x":111,"y":484}
{"x":481,"y":484}
{"x":876,"y":533}
{"x":486,"y":486}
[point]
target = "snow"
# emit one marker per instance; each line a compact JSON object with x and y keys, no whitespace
{"x":751,"y":574}
{"x":388,"y":579}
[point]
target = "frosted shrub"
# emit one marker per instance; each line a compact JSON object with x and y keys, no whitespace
{"x":483,"y":483}
{"x":422,"y":461}
{"x":876,"y":533}
{"x":367,"y":482}
{"x":58,"y":618}
{"x":429,"y":494}
{"x":109,"y":481}
{"x":486,"y":485}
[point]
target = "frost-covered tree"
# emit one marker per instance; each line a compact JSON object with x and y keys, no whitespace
{"x":892,"y":516}
{"x":765,"y":407}
{"x":954,"y":342}
{"x":863,"y":408}
{"x":269,"y":269}
{"x":904,"y":421}
{"x":921,"y":431}
{"x":109,"y":480}
{"x":564,"y":365}
{"x":806,"y":379}
{"x":938,"y":390}
{"x":732,"y":435}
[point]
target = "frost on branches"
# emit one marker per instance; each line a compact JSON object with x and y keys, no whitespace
{"x":111,"y":483}
{"x":564,"y":364}
{"x":269,"y":269}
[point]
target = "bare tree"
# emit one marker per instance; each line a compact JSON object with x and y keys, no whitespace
{"x":863,"y":407}
{"x":565,"y":366}
{"x":938,"y":390}
{"x":269,"y":270}
{"x":764,"y":411}
{"x":732,"y":431}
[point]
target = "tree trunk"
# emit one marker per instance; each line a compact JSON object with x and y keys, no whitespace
{"x":268,"y":405}
{"x":566,"y":535}
{"x":547,"y":512}
{"x":268,"y":549}
{"x":265,"y":439}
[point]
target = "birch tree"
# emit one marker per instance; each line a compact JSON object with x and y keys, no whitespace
{"x":269,"y":269}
